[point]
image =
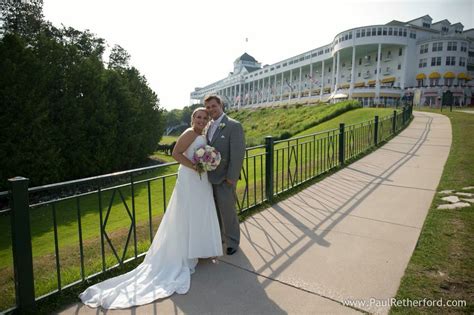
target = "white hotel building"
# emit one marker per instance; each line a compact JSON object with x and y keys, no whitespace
{"x":377,"y":64}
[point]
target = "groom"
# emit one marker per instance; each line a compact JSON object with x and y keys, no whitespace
{"x":227,"y":136}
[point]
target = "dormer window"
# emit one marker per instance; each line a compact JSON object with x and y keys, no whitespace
{"x":426,"y":25}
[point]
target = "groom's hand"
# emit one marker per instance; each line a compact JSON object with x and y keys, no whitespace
{"x":230,"y":182}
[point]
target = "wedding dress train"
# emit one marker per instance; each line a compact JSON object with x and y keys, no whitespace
{"x":189,"y":230}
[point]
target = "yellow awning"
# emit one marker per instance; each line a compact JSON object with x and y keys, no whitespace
{"x":363,"y":94}
{"x":390,"y":95}
{"x":344,"y":86}
{"x":449,"y":75}
{"x":388,"y":80}
{"x":462,"y":76}
{"x":371,"y":82}
{"x":359,"y":84}
{"x":420,"y":76}
{"x":435,"y":75}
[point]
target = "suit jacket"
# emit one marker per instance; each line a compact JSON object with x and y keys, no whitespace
{"x":229,"y":140}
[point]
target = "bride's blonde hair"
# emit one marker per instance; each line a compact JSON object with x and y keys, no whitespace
{"x":197,"y":110}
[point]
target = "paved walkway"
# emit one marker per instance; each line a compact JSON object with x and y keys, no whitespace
{"x":349,"y":236}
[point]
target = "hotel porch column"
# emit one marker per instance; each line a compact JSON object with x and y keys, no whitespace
{"x":274,"y":87}
{"x":337,"y":72}
{"x":321,"y":91}
{"x":311,"y":78}
{"x":281,"y":87}
{"x":291,"y":86}
{"x":269,"y":88}
{"x":333,"y":71}
{"x":299,"y":84}
{"x":351,"y":88}
{"x":239,"y":104}
{"x":404,"y":67}
{"x":377,"y":77}
{"x":253,"y":92}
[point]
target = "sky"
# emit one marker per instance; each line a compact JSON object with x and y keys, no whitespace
{"x":182,"y":44}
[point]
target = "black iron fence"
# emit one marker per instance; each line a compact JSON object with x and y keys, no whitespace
{"x":65,"y":233}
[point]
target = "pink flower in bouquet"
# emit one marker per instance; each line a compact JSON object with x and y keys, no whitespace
{"x":206,"y":158}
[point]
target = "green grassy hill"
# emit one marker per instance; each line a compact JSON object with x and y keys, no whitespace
{"x":286,"y":121}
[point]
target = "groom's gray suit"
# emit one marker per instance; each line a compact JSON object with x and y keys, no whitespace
{"x":229,"y":140}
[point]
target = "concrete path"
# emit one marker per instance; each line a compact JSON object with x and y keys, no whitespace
{"x":349,"y":236}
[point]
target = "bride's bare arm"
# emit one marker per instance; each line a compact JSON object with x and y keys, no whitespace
{"x":183,"y":142}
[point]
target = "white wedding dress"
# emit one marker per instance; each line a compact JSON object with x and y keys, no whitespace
{"x":189,"y":230}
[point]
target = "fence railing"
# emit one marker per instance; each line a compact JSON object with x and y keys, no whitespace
{"x":85,"y":227}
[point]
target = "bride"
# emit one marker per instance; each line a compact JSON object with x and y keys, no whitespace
{"x":189,"y":230}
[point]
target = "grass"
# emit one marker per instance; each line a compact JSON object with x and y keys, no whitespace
{"x":442,"y":265}
{"x":286,"y":121}
{"x":117,"y":225}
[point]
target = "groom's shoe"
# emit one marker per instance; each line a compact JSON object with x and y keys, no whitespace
{"x":231,"y":251}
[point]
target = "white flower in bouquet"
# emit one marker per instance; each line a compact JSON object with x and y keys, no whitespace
{"x":206,"y":158}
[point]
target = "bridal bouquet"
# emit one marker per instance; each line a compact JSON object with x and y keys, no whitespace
{"x":206,"y":158}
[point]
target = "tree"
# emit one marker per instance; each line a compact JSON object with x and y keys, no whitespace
{"x":63,"y":114}
{"x":119,"y":58}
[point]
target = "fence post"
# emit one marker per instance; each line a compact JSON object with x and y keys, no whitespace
{"x":269,"y":167}
{"x":394,"y":122}
{"x":342,"y":142}
{"x":376,"y":130}
{"x":21,"y":245}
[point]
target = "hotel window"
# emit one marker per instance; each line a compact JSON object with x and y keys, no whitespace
{"x":360,"y":61}
{"x":368,"y":32}
{"x":413,"y":35}
{"x":422,"y":63}
{"x":400,"y":51}
{"x":346,"y":37}
{"x":374,"y":31}
{"x":404,"y":33}
{"x":358,"y":74}
{"x":284,"y":65}
{"x":314,"y":54}
{"x":462,"y":61}
{"x":343,"y":64}
{"x":400,"y":31}
{"x":384,"y":31}
{"x":329,"y":69}
{"x":435,"y":61}
{"x":395,"y":31}
{"x":445,"y":29}
{"x":448,"y":82}
{"x":358,"y":34}
{"x":452,"y":46}
{"x":427,"y":25}
{"x":390,"y":31}
{"x":464,"y":47}
{"x":362,"y":34}
{"x":350,"y":35}
{"x":399,"y":67}
{"x":437,"y":47}
{"x":423,"y":48}
{"x":375,"y":71}
{"x":420,"y":83}
{"x":320,"y":52}
{"x":379,"y":31}
{"x":278,"y":67}
{"x":450,"y":61}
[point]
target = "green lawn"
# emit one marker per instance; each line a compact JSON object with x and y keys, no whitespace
{"x":442,"y":265}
